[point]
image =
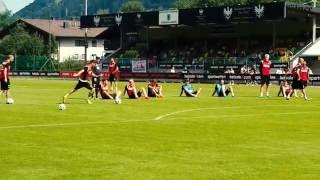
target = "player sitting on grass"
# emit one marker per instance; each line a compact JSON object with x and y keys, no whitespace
{"x":286,"y":90}
{"x":132,"y":92}
{"x":188,"y":89}
{"x":83,"y":82}
{"x":154,"y":89}
{"x":222,"y":90}
{"x":105,"y":93}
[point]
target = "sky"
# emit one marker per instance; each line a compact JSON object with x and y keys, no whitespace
{"x":16,"y":5}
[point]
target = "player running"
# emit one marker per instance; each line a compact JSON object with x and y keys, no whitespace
{"x":222,"y":90}
{"x":113,"y":72}
{"x":154,"y":89}
{"x":96,"y":77}
{"x":5,"y":77}
{"x":83,"y":82}
{"x":132,"y":91}
{"x":265,"y":70}
{"x":188,"y":89}
{"x":303,"y":73}
{"x":105,"y":93}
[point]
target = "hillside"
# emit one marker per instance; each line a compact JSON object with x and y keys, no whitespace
{"x":67,"y":8}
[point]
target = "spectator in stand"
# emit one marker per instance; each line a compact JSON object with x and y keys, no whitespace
{"x":173,"y":70}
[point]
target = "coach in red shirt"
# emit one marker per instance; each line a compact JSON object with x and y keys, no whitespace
{"x":265,"y":70}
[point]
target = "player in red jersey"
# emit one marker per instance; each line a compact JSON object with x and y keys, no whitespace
{"x":154,"y":89}
{"x":296,"y":83}
{"x":83,"y":82}
{"x":4,"y":75}
{"x":303,"y":73}
{"x":265,"y":70}
{"x":106,"y":93}
{"x":132,"y":92}
{"x":113,"y":72}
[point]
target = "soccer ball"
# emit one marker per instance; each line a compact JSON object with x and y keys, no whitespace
{"x":10,"y":101}
{"x":62,"y":107}
{"x":118,"y":101}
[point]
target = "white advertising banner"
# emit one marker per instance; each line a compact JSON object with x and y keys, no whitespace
{"x":169,"y":17}
{"x":139,"y":66}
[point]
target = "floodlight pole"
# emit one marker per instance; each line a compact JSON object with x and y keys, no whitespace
{"x":86,"y":35}
{"x":314,"y":24}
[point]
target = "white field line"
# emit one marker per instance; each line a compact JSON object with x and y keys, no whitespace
{"x":67,"y":124}
{"x":158,"y":118}
{"x":215,"y":108}
{"x":245,"y":115}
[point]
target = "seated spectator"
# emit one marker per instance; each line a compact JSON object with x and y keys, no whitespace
{"x":222,"y":90}
{"x":154,"y":89}
{"x":187,"y":89}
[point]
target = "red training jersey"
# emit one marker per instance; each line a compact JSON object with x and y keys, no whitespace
{"x":265,"y":67}
{"x":4,"y":71}
{"x":84,"y":76}
{"x":304,"y":73}
{"x":112,"y":68}
{"x":129,"y":89}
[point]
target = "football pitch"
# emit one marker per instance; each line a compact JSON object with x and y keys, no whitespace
{"x":245,"y":137}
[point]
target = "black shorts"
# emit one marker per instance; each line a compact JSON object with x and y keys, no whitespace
{"x":96,"y":82}
{"x":104,"y":96}
{"x":5,"y":85}
{"x":132,"y":96}
{"x":151,"y":93}
{"x":304,"y":84}
{"x":296,"y":84}
{"x":227,"y":92}
{"x":82,"y":84}
{"x":265,"y":79}
{"x":112,"y":77}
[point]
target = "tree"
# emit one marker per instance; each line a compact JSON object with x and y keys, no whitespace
{"x":132,"y":6}
{"x":19,"y":41}
{"x":6,"y":19}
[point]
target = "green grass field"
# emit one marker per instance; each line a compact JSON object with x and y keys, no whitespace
{"x":194,"y":138}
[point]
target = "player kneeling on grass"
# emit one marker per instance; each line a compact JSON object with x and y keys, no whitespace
{"x":222,"y":90}
{"x":132,"y":91}
{"x":154,"y":89}
{"x":105,"y":93}
{"x":83,"y":82}
{"x":188,"y":89}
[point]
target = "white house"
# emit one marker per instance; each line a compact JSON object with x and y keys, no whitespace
{"x":70,"y":37}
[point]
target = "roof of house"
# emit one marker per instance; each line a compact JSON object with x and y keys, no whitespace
{"x":63,"y":28}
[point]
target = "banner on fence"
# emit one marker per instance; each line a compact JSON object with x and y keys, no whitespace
{"x":139,"y":66}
